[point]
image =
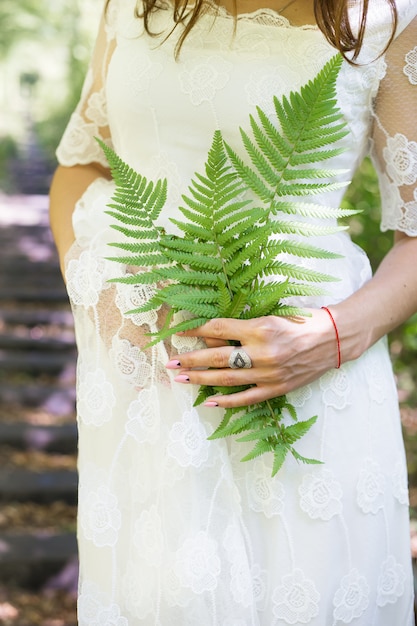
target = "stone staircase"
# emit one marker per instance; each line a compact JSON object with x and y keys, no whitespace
{"x":38,"y":437}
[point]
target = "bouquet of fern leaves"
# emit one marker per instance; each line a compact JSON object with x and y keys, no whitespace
{"x":229,"y":248}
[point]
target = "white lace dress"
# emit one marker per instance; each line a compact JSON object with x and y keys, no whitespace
{"x":173,"y":529}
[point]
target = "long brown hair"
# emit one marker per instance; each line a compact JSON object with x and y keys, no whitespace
{"x":332,"y":18}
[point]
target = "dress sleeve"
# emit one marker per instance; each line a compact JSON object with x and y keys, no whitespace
{"x":394,"y":146}
{"x":89,"y":120}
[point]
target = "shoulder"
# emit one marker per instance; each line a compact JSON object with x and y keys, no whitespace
{"x":407,"y":12}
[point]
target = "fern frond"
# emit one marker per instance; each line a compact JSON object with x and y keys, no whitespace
{"x":280,"y":453}
{"x":194,"y":260}
{"x":226,"y":232}
{"x":151,"y":259}
{"x":260,"y":448}
{"x":304,"y":459}
{"x":236,"y":426}
{"x":303,"y":289}
{"x":292,"y":433}
{"x":252,"y":180}
{"x":304,"y":250}
{"x":269,"y":432}
{"x":164,"y":333}
{"x":309,"y":209}
{"x":187,"y":246}
{"x":307,"y":189}
{"x":184,"y":277}
{"x":286,"y":310}
{"x":313,"y":173}
{"x":229,"y":247}
{"x":237,"y":304}
{"x":288,"y":270}
{"x":135,"y":233}
{"x":308,"y":121}
{"x":304,"y":229}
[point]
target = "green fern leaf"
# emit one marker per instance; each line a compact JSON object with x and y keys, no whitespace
{"x":280,"y":453}
{"x":304,"y":459}
{"x":260,"y":448}
{"x":295,"y":431}
{"x":304,"y":250}
{"x":229,"y":246}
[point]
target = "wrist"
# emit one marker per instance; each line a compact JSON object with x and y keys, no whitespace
{"x":337,"y":338}
{"x":354,"y":334}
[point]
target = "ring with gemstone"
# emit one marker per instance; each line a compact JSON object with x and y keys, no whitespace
{"x":239,"y":360}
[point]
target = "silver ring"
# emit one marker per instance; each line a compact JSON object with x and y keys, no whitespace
{"x":239,"y":360}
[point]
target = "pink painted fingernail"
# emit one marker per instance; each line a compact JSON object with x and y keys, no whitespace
{"x":173,"y":365}
{"x":210,"y":403}
{"x":182,"y":378}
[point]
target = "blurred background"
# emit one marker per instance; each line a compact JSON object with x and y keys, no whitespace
{"x":44,"y":50}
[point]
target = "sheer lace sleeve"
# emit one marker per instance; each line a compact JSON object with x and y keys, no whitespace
{"x":395,"y":134}
{"x":89,"y":119}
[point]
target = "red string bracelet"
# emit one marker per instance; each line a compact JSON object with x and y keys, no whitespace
{"x":339,"y":357}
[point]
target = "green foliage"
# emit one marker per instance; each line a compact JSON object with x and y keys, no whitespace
{"x":229,"y":246}
{"x":363,"y":194}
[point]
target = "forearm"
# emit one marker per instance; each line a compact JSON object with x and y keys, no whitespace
{"x":382,"y":304}
{"x":68,"y":185}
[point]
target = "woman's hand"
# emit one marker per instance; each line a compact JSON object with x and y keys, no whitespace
{"x":285,"y":354}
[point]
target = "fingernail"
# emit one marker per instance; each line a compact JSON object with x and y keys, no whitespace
{"x":180,"y":332}
{"x":182,"y":378}
{"x":210,"y":403}
{"x":173,"y":365}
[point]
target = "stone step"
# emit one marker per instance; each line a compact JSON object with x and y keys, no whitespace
{"x":30,"y":559}
{"x":20,"y":267}
{"x":35,"y":362}
{"x":42,"y":344}
{"x":33,"y":293}
{"x":43,"y":487}
{"x":59,"y":400}
{"x":37,"y":317}
{"x":60,"y":439}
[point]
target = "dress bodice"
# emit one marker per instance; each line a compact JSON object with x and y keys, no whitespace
{"x":160,"y":111}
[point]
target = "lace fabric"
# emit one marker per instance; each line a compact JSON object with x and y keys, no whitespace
{"x":173,"y":528}
{"x":89,"y":120}
{"x":395,"y":134}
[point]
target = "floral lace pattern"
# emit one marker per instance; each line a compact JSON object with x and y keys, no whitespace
{"x":401,"y":159}
{"x":296,"y":600}
{"x":410,"y":68}
{"x":265,"y":495}
{"x":200,"y":80}
{"x":336,"y":388}
{"x":96,"y":398}
{"x":173,"y":528}
{"x":189,"y":445}
{"x":352,"y":598}
{"x":320,"y":495}
{"x":101,"y":517}
{"x":390,"y":582}
{"x":370,"y":488}
{"x":198,"y":564}
{"x":144,"y":416}
{"x":95,"y":610}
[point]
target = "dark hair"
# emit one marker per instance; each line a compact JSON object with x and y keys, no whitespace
{"x":332,"y":18}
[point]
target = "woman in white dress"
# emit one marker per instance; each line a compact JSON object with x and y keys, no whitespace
{"x":173,"y":529}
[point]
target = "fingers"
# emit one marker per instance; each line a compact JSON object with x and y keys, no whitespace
{"x":253,"y":395}
{"x":217,"y":358}
{"x":215,"y":343}
{"x":221,"y":328}
{"x":225,"y":378}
